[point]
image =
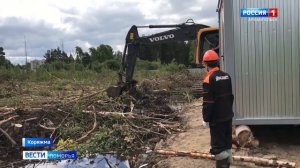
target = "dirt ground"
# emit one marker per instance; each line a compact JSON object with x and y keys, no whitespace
{"x":282,"y":142}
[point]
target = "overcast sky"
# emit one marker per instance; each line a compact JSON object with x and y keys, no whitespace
{"x":47,"y":24}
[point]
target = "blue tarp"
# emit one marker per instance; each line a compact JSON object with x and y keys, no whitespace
{"x":100,"y":161}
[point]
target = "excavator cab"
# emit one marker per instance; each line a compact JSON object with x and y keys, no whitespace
{"x":206,"y":37}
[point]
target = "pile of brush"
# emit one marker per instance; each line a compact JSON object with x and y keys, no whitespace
{"x":94,"y":123}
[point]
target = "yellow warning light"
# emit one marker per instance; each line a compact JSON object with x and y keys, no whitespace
{"x":131,"y":36}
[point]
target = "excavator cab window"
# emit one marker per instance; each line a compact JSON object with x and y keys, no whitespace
{"x":209,"y":39}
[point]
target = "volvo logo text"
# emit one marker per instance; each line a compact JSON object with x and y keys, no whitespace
{"x":160,"y":38}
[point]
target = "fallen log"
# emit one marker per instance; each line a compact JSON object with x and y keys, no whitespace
{"x":255,"y":160}
{"x":13,"y":142}
{"x":33,"y":110}
{"x":30,"y":119}
{"x":6,"y":113}
{"x":6,"y":120}
{"x":108,"y":113}
{"x":6,"y":109}
{"x":185,"y":153}
{"x":243,"y":135}
{"x":125,"y":115}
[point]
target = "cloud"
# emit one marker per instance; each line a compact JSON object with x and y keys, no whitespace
{"x":93,"y":22}
{"x":39,"y":37}
{"x":109,"y":25}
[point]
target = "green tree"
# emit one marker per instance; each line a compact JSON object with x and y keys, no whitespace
{"x":71,"y":58}
{"x":193,"y":50}
{"x":178,"y":51}
{"x":118,"y":55}
{"x":165,"y":53}
{"x":101,"y":53}
{"x":2,"y":53}
{"x":54,"y":55}
{"x":86,"y":59}
{"x":3,"y":61}
{"x":79,"y":54}
{"x":95,"y":55}
{"x":149,"y":52}
{"x":181,"y":53}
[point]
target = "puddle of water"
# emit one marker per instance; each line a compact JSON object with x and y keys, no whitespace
{"x":100,"y":161}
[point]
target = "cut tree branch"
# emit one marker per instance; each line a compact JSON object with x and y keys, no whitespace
{"x":107,"y":113}
{"x":59,"y":125}
{"x":6,"y":113}
{"x":126,"y":115}
{"x":30,"y":119}
{"x":7,"y":109}
{"x":256,"y":160}
{"x":85,"y":97}
{"x":90,"y":131}
{"x":47,"y":128}
{"x":8,"y":137}
{"x":10,"y":118}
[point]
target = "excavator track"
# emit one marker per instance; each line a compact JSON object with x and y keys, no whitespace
{"x":197,"y":90}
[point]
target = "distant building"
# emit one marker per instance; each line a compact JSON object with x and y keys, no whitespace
{"x":35,"y":64}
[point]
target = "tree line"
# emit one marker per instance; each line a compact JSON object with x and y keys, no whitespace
{"x":103,"y":55}
{"x":180,"y":52}
{"x":96,"y":58}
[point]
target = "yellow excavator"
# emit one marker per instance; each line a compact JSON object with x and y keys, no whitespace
{"x":206,"y":37}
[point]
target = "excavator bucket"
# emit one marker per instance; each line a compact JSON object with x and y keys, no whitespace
{"x":114,"y":91}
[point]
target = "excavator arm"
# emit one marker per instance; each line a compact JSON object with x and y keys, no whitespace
{"x":180,"y":32}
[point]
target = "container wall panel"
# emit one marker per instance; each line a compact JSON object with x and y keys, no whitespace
{"x":263,"y":58}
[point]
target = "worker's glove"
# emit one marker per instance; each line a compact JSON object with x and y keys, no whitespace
{"x":205,"y":124}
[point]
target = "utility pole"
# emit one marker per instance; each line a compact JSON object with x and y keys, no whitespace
{"x":62,"y":45}
{"x":25,"y":52}
{"x":62,"y":40}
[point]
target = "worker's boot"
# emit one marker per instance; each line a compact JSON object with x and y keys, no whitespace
{"x":224,"y":163}
{"x":223,"y":159}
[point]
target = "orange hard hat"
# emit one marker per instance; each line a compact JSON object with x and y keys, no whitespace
{"x":210,"y":55}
